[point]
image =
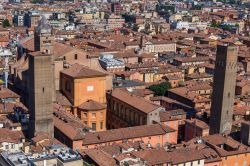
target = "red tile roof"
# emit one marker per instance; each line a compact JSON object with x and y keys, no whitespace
{"x":7,"y":93}
{"x":138,"y":103}
{"x":79,"y":71}
{"x":125,"y":133}
{"x":92,"y":105}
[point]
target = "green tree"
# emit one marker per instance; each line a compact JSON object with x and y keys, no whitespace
{"x":196,"y":7}
{"x":215,"y":24}
{"x":38,"y":1}
{"x":6,"y":23}
{"x":160,"y":89}
{"x":135,"y":27}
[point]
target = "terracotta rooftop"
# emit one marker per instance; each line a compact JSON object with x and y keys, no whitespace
{"x":209,"y":153}
{"x":67,"y":123}
{"x":125,"y":73}
{"x":79,"y":71}
{"x":199,"y":75}
{"x":38,"y":53}
{"x":184,"y":92}
{"x":198,"y":123}
{"x":171,"y":115}
{"x":125,"y":54}
{"x":175,"y":157}
{"x":7,"y":93}
{"x":142,"y":92}
{"x":207,"y":65}
{"x":41,"y":136}
{"x":125,"y":133}
{"x":62,"y":100}
{"x":9,"y":107}
{"x":241,"y":110}
{"x":225,"y":146}
{"x":168,"y":100}
{"x":196,"y":85}
{"x":8,"y":135}
{"x":143,"y":65}
{"x":92,"y":105}
{"x":28,"y":43}
{"x":100,"y":157}
{"x":60,"y":50}
{"x":190,"y":59}
{"x":138,"y":103}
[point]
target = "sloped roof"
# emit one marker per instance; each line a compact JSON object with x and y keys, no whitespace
{"x":7,"y":93}
{"x":77,"y":71}
{"x":135,"y":101}
{"x":92,"y":105}
{"x":125,"y":133}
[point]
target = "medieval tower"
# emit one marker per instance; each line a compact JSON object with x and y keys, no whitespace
{"x":223,"y":89}
{"x":41,"y":82}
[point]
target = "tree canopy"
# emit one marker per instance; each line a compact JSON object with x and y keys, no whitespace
{"x":6,"y":23}
{"x":38,"y":1}
{"x":160,"y":89}
{"x":215,"y":24}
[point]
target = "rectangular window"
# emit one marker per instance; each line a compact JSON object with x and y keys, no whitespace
{"x":67,"y":86}
{"x":46,"y":41}
{"x":12,"y":146}
{"x":90,"y":88}
{"x":75,"y":56}
{"x":93,"y":115}
{"x":85,"y":115}
{"x":94,"y":126}
{"x":101,"y":125}
{"x":6,"y":146}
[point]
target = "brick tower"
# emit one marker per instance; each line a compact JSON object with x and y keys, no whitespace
{"x":41,"y":89}
{"x":223,"y":89}
{"x":43,"y":37}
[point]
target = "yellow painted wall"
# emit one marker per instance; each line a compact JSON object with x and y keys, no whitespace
{"x":233,"y":160}
{"x":89,"y":88}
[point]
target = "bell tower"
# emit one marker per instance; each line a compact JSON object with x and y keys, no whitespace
{"x":43,"y":37}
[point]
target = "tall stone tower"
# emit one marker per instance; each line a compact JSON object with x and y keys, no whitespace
{"x":41,"y":89}
{"x":43,"y":37}
{"x":223,"y":89}
{"x":44,"y":41}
